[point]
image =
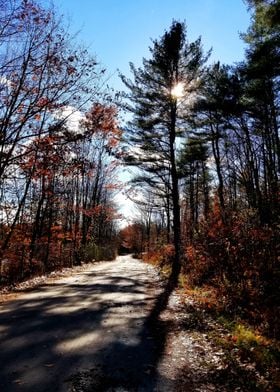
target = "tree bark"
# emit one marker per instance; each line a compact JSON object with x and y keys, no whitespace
{"x":175,"y":196}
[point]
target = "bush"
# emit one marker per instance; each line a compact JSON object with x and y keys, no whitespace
{"x":94,"y":252}
{"x":240,"y":259}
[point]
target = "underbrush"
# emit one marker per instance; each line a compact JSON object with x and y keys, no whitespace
{"x":96,"y":252}
{"x":17,"y":265}
{"x":241,"y":303}
{"x":161,"y":257}
{"x":240,"y":340}
{"x":252,"y":348}
{"x":240,"y":261}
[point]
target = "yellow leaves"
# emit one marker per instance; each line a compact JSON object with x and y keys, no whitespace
{"x":246,"y":336}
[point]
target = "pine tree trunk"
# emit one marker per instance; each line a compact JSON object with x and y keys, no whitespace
{"x":175,"y":198}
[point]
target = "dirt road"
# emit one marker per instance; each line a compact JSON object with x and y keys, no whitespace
{"x":104,"y":329}
{"x":86,"y":332}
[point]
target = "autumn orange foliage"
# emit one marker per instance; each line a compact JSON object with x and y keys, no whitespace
{"x":241,"y":261}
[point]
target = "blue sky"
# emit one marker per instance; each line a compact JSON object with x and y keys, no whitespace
{"x":120,"y":31}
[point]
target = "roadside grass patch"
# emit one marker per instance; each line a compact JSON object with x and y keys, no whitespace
{"x":256,"y":351}
{"x":251,"y":357}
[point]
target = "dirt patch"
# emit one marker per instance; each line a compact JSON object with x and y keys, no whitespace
{"x":13,"y":291}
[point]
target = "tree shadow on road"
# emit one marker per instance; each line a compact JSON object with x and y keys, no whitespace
{"x":125,"y":367}
{"x":44,"y":346}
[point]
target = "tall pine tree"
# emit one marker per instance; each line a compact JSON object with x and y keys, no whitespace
{"x":160,"y":96}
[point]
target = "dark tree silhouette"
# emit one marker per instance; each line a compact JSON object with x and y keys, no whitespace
{"x":160,"y":95}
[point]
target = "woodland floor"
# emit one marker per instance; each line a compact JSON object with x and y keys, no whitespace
{"x":88,"y":330}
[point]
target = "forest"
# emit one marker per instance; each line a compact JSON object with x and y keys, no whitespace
{"x":202,"y":141}
{"x":59,"y":146}
{"x":205,"y":147}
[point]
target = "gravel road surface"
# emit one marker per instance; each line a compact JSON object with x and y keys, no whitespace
{"x":103,"y":328}
{"x":86,"y":332}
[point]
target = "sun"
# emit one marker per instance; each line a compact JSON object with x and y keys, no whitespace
{"x":178,"y":90}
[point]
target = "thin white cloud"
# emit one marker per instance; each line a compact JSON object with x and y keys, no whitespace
{"x":4,"y":81}
{"x":72,"y":117}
